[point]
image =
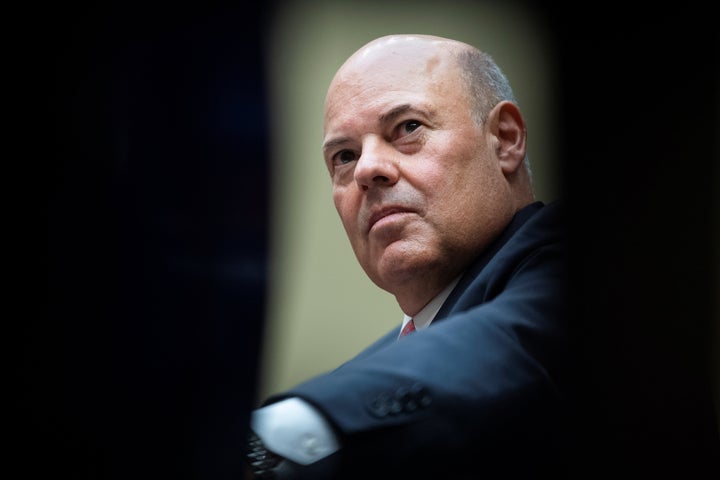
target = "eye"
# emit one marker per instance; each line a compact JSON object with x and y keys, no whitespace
{"x":409,"y":127}
{"x":343,"y":157}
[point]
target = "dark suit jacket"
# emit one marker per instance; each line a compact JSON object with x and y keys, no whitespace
{"x":481,"y":392}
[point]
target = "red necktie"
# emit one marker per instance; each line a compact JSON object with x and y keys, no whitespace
{"x":408,"y":328}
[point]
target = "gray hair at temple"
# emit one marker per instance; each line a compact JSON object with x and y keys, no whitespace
{"x":487,"y":85}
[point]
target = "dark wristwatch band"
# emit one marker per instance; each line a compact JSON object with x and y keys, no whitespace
{"x":262,"y":462}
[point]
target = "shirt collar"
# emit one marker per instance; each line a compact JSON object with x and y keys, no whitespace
{"x":428,"y":312}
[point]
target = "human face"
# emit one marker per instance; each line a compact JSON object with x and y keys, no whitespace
{"x":415,"y":179}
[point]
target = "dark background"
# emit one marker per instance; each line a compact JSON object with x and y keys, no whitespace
{"x":156,"y":182}
{"x":639,"y":143}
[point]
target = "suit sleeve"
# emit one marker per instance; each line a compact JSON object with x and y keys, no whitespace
{"x":483,"y":388}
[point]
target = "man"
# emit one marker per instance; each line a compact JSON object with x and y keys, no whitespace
{"x":426,"y":149}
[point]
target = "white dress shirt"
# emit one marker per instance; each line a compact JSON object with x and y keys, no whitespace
{"x":425,"y":316}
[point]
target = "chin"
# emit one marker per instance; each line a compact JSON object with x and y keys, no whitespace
{"x":404,"y":269}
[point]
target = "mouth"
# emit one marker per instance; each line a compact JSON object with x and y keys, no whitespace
{"x":384,"y":212}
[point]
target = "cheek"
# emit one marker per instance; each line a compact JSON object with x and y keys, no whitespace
{"x":346,"y":210}
{"x":458,"y":189}
{"x":450,"y":182}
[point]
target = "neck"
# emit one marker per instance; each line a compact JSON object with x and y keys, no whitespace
{"x":414,"y":296}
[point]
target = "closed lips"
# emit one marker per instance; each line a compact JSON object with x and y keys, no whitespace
{"x":384,"y":212}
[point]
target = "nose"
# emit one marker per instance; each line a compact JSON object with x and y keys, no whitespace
{"x":376,"y":166}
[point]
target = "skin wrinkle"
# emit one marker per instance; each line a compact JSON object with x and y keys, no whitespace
{"x":450,"y":184}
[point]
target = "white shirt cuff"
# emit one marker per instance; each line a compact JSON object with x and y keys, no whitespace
{"x":294,"y":430}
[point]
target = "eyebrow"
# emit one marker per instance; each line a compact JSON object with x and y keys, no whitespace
{"x":335,"y":142}
{"x":387,"y":117}
{"x":398,"y":111}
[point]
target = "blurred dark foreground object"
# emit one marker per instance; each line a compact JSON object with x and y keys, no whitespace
{"x":145,"y":365}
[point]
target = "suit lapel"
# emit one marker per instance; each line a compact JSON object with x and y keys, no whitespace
{"x":477,"y":267}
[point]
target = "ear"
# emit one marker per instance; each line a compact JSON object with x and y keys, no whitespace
{"x":507,"y":126}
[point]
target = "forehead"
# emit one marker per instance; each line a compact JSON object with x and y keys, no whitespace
{"x":378,"y":79}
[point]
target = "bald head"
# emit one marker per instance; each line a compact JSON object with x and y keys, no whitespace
{"x":398,"y":45}
{"x":486,"y":84}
